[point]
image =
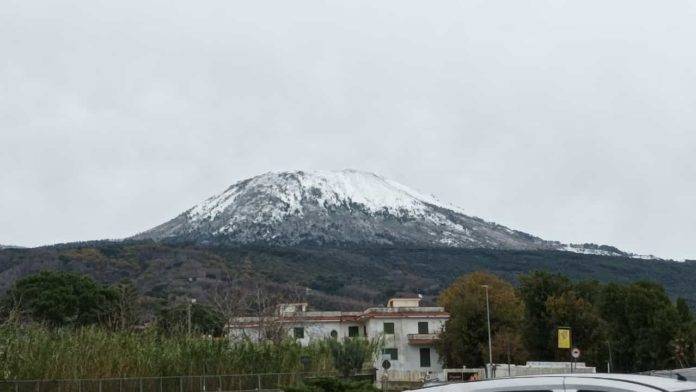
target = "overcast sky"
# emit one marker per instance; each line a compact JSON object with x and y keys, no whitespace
{"x":571,"y":120}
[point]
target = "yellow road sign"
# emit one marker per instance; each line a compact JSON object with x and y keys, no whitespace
{"x":563,"y":337}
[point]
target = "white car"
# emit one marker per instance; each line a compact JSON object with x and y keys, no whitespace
{"x":570,"y":383}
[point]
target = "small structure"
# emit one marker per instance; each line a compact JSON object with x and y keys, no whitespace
{"x":409,"y":332}
{"x":537,"y":367}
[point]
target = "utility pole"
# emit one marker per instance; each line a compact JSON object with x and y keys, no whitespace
{"x":490,"y":344}
{"x":609,"y":361}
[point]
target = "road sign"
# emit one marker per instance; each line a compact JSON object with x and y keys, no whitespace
{"x":563,"y":337}
{"x":386,"y":364}
{"x":575,"y":353}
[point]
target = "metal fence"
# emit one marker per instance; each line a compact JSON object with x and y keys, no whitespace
{"x":212,"y":383}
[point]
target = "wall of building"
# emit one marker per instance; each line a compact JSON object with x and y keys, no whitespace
{"x":313,"y":330}
{"x":409,"y":357}
{"x":318,"y":325}
{"x":322,"y":330}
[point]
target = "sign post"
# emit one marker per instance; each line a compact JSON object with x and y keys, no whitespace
{"x":385,"y":378}
{"x":575,"y":353}
{"x":564,"y":342}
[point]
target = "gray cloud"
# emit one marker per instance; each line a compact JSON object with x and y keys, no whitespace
{"x":572,"y":120}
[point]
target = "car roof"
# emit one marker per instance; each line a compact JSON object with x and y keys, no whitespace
{"x":668,"y":384}
{"x":659,"y":383}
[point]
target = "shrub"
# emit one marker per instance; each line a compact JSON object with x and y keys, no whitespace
{"x":333,"y":385}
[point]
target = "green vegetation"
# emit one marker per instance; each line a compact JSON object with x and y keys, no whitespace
{"x":636,"y":321}
{"x":204,"y":320}
{"x":96,"y":339}
{"x":333,"y":385}
{"x":62,"y":325}
{"x":61,"y":299}
{"x":38,"y":352}
{"x":466,"y":336}
{"x":339,"y":277}
{"x":350,"y":355}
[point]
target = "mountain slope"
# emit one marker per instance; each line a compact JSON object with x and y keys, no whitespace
{"x":344,"y":207}
{"x":9,"y":247}
{"x":348,"y":278}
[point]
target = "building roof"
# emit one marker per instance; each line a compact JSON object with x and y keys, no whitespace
{"x":341,"y":316}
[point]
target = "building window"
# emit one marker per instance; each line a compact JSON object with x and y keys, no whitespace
{"x":392,"y":352}
{"x":298,"y":332}
{"x":389,"y":328}
{"x":425,"y":357}
{"x":353,"y":332}
{"x":334,"y":334}
{"x":423,"y":327}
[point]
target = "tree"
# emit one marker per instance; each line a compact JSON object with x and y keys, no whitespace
{"x":642,"y":322}
{"x":325,"y":384}
{"x":464,"y":340}
{"x":229,"y":298}
{"x":588,"y":330}
{"x":350,"y":355}
{"x":535,"y":290}
{"x":204,"y":320}
{"x":125,"y":310}
{"x":508,"y":347}
{"x":685,"y":316}
{"x":685,"y":342}
{"x":251,"y":294}
{"x":60,"y":298}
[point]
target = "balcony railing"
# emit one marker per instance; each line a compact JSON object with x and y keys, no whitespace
{"x":422,"y":338}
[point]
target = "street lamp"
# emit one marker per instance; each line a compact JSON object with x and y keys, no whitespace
{"x":490,"y":345}
{"x":188,"y":315}
{"x":189,"y":302}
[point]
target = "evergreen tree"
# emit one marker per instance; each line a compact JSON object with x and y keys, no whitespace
{"x":61,"y":298}
{"x":642,"y":323}
{"x":539,"y":328}
{"x":588,"y":330}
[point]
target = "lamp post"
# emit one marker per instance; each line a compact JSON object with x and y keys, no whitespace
{"x":188,"y":315}
{"x":189,"y":302}
{"x":490,"y":344}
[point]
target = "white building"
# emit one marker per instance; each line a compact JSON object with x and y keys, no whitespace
{"x":408,"y":332}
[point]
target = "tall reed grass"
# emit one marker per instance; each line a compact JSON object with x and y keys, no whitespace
{"x":38,"y":352}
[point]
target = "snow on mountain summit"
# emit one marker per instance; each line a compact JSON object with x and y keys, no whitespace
{"x":346,"y":207}
{"x":328,"y":188}
{"x":334,"y":207}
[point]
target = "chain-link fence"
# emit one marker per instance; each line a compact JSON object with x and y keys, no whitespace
{"x":212,"y":383}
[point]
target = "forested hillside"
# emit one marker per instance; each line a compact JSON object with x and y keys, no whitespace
{"x":329,"y":278}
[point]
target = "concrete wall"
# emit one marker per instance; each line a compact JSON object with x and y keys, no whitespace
{"x":536,"y":368}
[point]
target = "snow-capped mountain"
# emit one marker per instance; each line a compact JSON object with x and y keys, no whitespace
{"x":343,"y":207}
{"x":9,"y":247}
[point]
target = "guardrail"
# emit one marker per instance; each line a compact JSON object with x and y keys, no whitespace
{"x":202,"y":383}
